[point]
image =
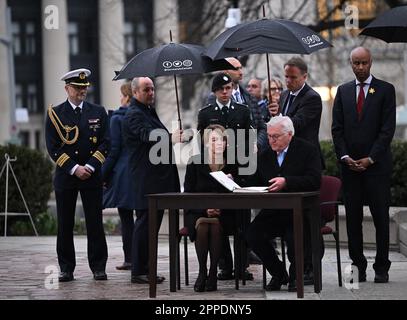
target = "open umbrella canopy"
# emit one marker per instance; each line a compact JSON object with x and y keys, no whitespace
{"x":390,"y":26}
{"x":171,"y":59}
{"x":266,"y":36}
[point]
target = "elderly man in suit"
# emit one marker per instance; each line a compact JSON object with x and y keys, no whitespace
{"x":77,"y":138}
{"x":141,"y":129}
{"x":290,"y":165}
{"x":363,"y":125}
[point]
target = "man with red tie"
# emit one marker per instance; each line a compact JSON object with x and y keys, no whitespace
{"x":363,"y":125}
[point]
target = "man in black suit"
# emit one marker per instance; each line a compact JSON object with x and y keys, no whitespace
{"x":77,"y":140}
{"x":152,"y":172}
{"x":363,"y":125}
{"x":290,"y":165}
{"x":304,"y":107}
{"x":300,"y":102}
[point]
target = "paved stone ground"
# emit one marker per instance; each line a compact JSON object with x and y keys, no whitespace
{"x":24,"y":275}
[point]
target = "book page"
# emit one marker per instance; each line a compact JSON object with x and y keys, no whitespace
{"x":251,"y":189}
{"x":224,"y":180}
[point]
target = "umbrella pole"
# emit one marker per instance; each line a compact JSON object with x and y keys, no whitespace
{"x":176,"y":95}
{"x":268,"y":77}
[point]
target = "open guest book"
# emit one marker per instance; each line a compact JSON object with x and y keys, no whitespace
{"x":229,"y":184}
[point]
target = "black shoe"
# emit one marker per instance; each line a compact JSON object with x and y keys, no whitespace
{"x":381,"y":277}
{"x":276,"y":282}
{"x":225,"y":275}
{"x":124,"y":266}
{"x":308,"y":278}
{"x":200,"y":283}
{"x":361,"y":277}
{"x":99,"y":275}
{"x":248,"y":276}
{"x":66,"y":276}
{"x":292,"y":286}
{"x":143,"y":279}
{"x":212,"y":283}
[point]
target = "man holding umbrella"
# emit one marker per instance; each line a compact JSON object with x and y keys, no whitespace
{"x":363,"y":125}
{"x":139,"y":124}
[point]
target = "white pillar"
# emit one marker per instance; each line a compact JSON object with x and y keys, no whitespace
{"x":165,"y":19}
{"x":55,"y":49}
{"x":5,"y":103}
{"x":111,"y":48}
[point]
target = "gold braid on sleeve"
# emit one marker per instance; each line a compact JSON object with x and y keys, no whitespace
{"x":59,"y":125}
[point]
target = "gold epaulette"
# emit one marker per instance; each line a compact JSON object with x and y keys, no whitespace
{"x":59,"y":125}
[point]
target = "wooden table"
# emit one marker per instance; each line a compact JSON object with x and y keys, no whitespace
{"x":297,"y":201}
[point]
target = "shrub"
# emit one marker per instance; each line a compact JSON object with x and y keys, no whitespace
{"x":399,"y":174}
{"x":34,"y":174}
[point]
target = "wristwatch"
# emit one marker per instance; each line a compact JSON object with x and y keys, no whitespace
{"x":370,"y":160}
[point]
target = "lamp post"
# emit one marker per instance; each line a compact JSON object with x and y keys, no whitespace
{"x":7,"y":41}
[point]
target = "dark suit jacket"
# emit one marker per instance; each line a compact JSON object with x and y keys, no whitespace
{"x":139,"y":122}
{"x":90,"y":148}
{"x":305,"y":113}
{"x":372,"y":134}
{"x":301,"y":167}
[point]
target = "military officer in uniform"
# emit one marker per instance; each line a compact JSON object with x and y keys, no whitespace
{"x":226,"y":112}
{"x":77,"y":140}
{"x":233,"y":116}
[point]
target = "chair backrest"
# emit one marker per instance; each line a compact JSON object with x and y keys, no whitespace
{"x":329,"y":192}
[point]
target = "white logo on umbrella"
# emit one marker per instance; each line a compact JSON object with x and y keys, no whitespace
{"x":167,"y":64}
{"x":311,"y":39}
{"x":177,"y":64}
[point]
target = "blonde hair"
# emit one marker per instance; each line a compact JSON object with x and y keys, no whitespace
{"x":125,"y":89}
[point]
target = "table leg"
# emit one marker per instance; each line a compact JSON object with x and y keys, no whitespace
{"x":152,"y":240}
{"x":315,"y":225}
{"x":172,"y":225}
{"x":299,"y":249}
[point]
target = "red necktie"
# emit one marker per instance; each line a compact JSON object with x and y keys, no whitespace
{"x":361,"y":100}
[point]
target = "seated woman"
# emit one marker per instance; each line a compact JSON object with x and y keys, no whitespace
{"x":206,"y":226}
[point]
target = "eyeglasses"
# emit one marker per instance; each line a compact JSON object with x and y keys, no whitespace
{"x":275,"y":137}
{"x":252,"y":86}
{"x":78,"y":88}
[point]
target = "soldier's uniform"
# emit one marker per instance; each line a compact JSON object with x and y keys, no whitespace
{"x":233,"y":116}
{"x":78,"y":138}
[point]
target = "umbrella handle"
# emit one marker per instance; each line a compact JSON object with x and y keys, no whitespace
{"x":176,"y":95}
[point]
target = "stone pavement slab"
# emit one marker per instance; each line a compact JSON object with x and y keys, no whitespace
{"x":28,"y":266}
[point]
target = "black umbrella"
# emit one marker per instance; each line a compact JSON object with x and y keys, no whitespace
{"x":391,"y":26}
{"x":266,"y":36}
{"x":171,"y":59}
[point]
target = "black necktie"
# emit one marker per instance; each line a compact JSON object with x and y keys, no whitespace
{"x":78,"y":113}
{"x":289,"y":102}
{"x":224,"y":117}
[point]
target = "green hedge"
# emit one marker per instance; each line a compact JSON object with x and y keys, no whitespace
{"x":34,"y":174}
{"x":399,"y":175}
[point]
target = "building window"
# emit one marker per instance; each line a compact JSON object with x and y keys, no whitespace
{"x":32,"y":98}
{"x":141,"y":36}
{"x":24,"y":138}
{"x":19,"y":95}
{"x":73,"y":35}
{"x":16,"y":32}
{"x":128,"y":38}
{"x":30,"y":39}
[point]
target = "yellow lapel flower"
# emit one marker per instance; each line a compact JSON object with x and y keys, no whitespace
{"x":371,"y":90}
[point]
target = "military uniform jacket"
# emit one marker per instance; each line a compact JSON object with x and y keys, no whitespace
{"x":91,"y":146}
{"x":238,"y":116}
